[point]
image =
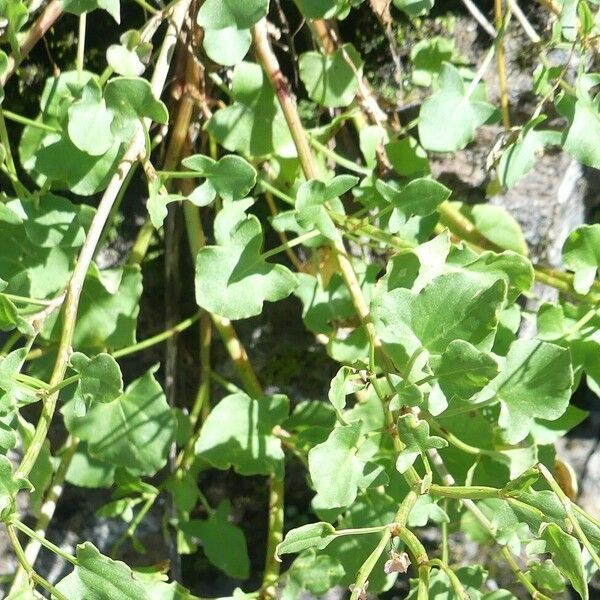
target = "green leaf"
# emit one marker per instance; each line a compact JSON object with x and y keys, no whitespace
{"x":66,"y":165}
{"x":234,"y":280}
{"x":535,"y":381}
{"x":312,"y":197}
{"x":238,"y":433}
{"x":342,"y":385}
{"x":419,"y":197}
{"x":51,"y":221}
{"x":227,"y":46}
{"x":218,"y":14}
{"x":78,"y":7}
{"x":254,"y":124}
{"x":583,"y":116}
{"x":324,"y":9}
{"x":101,"y":379}
{"x":29,"y":269}
{"x":91,"y":114}
{"x":452,"y":306}
{"x":335,"y":468}
{"x":131,"y":99}
{"x":89,"y":472}
{"x":331,"y":79}
{"x":314,"y":535}
{"x":428,"y":57}
{"x":496,"y":224}
{"x":134,"y":431}
{"x":440,"y":587}
{"x":9,"y":486}
{"x":506,"y":526}
{"x":414,"y":8}
{"x":566,"y":555}
{"x":514,"y":269}
{"x":426,"y":510}
{"x":407,"y":157}
{"x":414,"y":434}
{"x":521,"y":156}
{"x":129,"y":58}
{"x":14,"y":393}
{"x":218,"y":534}
{"x":546,"y":575}
{"x":97,"y":576}
{"x":439,"y":133}
{"x":462,"y":370}
{"x":581,"y":254}
{"x":106,"y":318}
{"x":231,"y":177}
{"x":316,"y":574}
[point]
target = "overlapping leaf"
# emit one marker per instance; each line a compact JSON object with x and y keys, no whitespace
{"x":238,"y":433}
{"x":133,"y":431}
{"x":234,"y":280}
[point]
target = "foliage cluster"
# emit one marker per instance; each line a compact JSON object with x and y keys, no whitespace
{"x":439,"y":413}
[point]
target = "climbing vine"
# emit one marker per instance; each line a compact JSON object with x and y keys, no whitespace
{"x":439,"y":415}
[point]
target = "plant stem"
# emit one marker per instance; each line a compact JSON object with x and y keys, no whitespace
{"x":16,"y":118}
{"x":75,"y":286}
{"x":47,"y":510}
{"x":461,"y":492}
{"x":14,"y":540}
{"x":340,"y":160}
{"x":486,"y":523}
{"x":480,"y":17}
{"x":270,"y":64}
{"x":81,"y":45}
{"x":457,"y":586}
{"x":35,"y":33}
{"x":501,"y":63}
{"x":568,"y":506}
{"x":291,"y":243}
{"x":43,"y":541}
{"x":274,"y":537}
{"x":27,"y":300}
{"x":130,"y":531}
{"x":64,"y":383}
{"x":276,"y":192}
{"x":158,"y":338}
{"x":399,"y":523}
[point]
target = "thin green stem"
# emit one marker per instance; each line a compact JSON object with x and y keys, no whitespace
{"x":158,"y":338}
{"x":340,"y":160}
{"x":291,"y":243}
{"x":568,"y":506}
{"x":399,"y":524}
{"x":48,"y":508}
{"x":274,"y":537}
{"x":18,"y":187}
{"x":16,"y":118}
{"x":460,"y":492}
{"x":228,"y":386}
{"x":135,"y":523}
{"x":147,"y":7}
{"x":20,"y":554}
{"x":276,"y":191}
{"x":491,"y":529}
{"x":27,"y":300}
{"x":457,"y":586}
{"x":75,"y":286}
{"x":467,"y":408}
{"x":12,"y":339}
{"x":64,"y":383}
